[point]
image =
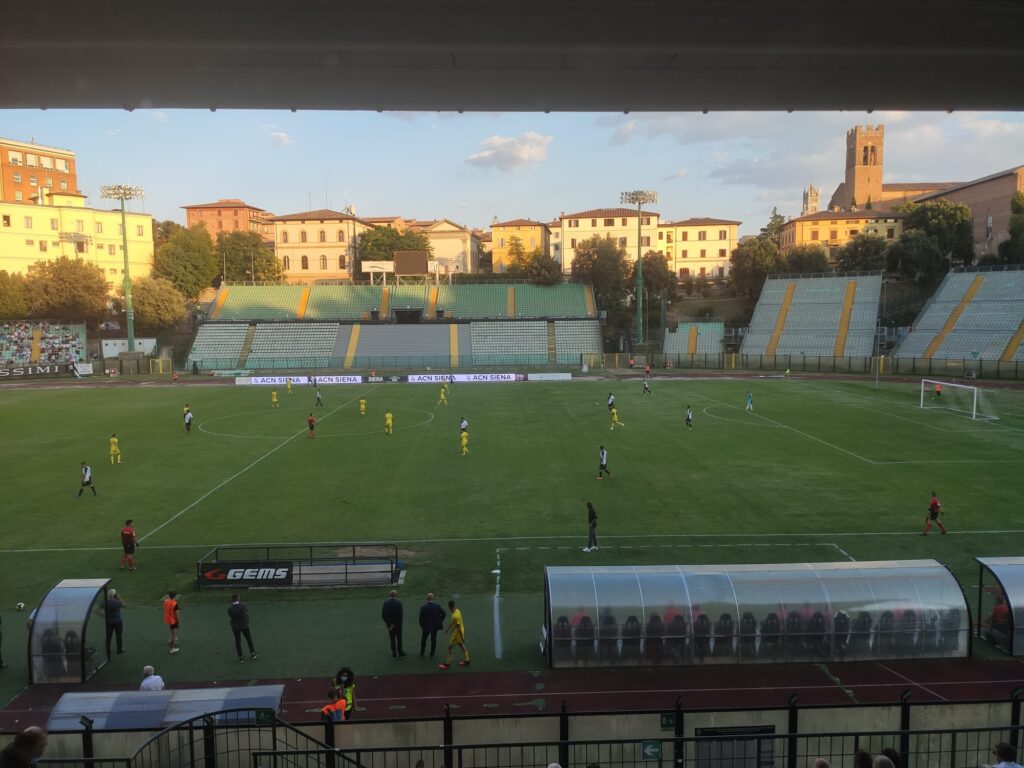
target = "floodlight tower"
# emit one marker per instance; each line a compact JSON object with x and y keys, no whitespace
{"x":639,"y":197}
{"x":124,"y":192}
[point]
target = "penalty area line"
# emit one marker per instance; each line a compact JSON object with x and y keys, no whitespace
{"x":245,"y":469}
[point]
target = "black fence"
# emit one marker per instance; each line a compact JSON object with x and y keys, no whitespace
{"x":722,"y":748}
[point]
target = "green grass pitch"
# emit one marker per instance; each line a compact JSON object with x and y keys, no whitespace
{"x":822,"y":471}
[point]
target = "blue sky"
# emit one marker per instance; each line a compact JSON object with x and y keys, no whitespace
{"x":473,"y":167}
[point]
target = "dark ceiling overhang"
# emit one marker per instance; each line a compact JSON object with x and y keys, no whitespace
{"x":527,"y":55}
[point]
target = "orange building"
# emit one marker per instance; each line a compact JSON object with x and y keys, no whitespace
{"x":27,"y":168}
{"x":230,"y":215}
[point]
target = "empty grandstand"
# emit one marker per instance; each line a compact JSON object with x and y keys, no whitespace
{"x":218,"y":345}
{"x":574,"y":338}
{"x":815,"y":316}
{"x":31,"y":341}
{"x":358,"y":302}
{"x":292,"y":345}
{"x":523,"y":343}
{"x":974,"y":315}
{"x":696,"y":338}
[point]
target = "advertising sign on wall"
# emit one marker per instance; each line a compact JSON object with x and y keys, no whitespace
{"x":243,"y":573}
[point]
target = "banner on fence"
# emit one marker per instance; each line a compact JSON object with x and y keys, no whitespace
{"x":241,"y":573}
{"x":35,"y":371}
{"x":549,"y":377}
{"x":280,"y":381}
{"x":486,"y":378}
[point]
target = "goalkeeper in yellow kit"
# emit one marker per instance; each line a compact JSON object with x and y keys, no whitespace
{"x":389,"y":423}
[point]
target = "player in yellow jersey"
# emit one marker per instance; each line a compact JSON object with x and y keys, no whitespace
{"x":389,"y":423}
{"x":115,"y":449}
{"x":464,"y":439}
{"x":457,"y":637}
{"x":288,"y":385}
{"x":444,"y":395}
{"x":273,"y":399}
{"x":615,"y":418}
{"x":362,"y":407}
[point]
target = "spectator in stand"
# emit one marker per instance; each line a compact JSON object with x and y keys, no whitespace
{"x":25,"y":750}
{"x":862,"y":759}
{"x":893,"y":756}
{"x":1006,"y":754}
{"x":821,"y":762}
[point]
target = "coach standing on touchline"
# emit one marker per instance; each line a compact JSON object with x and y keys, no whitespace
{"x":431,"y":622}
{"x":238,"y":614}
{"x":391,"y":613}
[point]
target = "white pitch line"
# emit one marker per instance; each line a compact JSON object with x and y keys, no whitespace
{"x":245,"y":469}
{"x":830,"y":534}
{"x":843,"y":552}
{"x":912,"y":682}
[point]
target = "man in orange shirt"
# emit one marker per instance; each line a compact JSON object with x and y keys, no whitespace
{"x":334,"y":709}
{"x":171,"y":614}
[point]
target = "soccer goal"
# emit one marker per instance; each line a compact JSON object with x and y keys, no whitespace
{"x":956,"y":398}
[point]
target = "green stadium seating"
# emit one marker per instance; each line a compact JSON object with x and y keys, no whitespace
{"x":261,"y":302}
{"x":473,"y":301}
{"x":563,"y":300}
{"x":342,"y":302}
{"x":218,"y":345}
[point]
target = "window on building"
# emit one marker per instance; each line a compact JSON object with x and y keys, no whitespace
{"x":80,"y":247}
{"x":27,"y":222}
{"x":42,"y":246}
{"x":684,"y":235}
{"x":99,"y":247}
{"x":647,"y":221}
{"x":645,"y":242}
{"x":30,"y":242}
{"x":219,"y":213}
{"x":723,"y":235}
{"x":703,"y":253}
{"x":572,"y":243}
{"x":18,"y":195}
{"x":14,"y":158}
{"x":63,"y":185}
{"x":302,"y":237}
{"x":63,"y":165}
{"x":323,"y":263}
{"x":32,"y":161}
{"x":721,"y":271}
{"x":305,"y":262}
{"x":890,"y":233}
{"x":99,"y":227}
{"x":33,"y":181}
{"x":54,"y":224}
{"x":721,"y":253}
{"x":17,"y":178}
{"x":684,"y":254}
{"x":609,"y":222}
{"x":854,"y":232}
{"x":833,"y":234}
{"x":112,"y":271}
{"x":702,"y":272}
{"x":669,"y":239}
{"x":341,"y":235}
{"x":287,"y":262}
{"x":501,"y":242}
{"x":702,"y":235}
{"x":622,"y":242}
{"x":49,"y":182}
{"x":323,"y":237}
{"x":684,"y":272}
{"x":814,"y":234}
{"x":6,"y":221}
{"x":139,"y":230}
{"x":110,"y":249}
{"x":593,"y":222}
{"x":46,"y":162}
{"x":661,"y":235}
{"x":235,"y":212}
{"x":341,"y":262}
{"x":284,"y":237}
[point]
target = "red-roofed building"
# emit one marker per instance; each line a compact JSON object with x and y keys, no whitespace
{"x":231,"y":215}
{"x":532,"y":235}
{"x":698,"y":247}
{"x":620,"y":224}
{"x":317,"y":245}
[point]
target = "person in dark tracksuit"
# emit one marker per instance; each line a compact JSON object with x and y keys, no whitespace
{"x":431,"y":622}
{"x":238,"y":614}
{"x":391,"y":614}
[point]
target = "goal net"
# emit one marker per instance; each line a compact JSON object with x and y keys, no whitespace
{"x":956,"y":398}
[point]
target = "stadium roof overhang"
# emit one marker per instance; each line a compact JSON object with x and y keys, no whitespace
{"x":514,"y":55}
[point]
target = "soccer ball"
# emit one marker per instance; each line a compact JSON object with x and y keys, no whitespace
{"x":19,"y":606}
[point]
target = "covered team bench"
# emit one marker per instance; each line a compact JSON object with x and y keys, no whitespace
{"x":724,"y":614}
{"x":1001,"y":602}
{"x":65,"y":631}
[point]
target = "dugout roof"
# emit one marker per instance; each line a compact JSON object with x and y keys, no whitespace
{"x":685,"y":614}
{"x":1007,"y":575}
{"x":155,"y":710}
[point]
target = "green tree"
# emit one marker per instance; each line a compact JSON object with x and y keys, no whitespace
{"x":658,"y":276}
{"x":240,"y":253}
{"x":916,"y":257}
{"x":543,"y":270}
{"x":602,"y":263}
{"x":1011,"y":251}
{"x":156,"y":302}
{"x":865,"y":253}
{"x":13,"y":305}
{"x":806,"y":259}
{"x":380,"y":244}
{"x":946,"y":223}
{"x":774,"y":226}
{"x":66,"y":289}
{"x":752,"y":261}
{"x":518,"y":260}
{"x":164,"y":231}
{"x":186,"y":259}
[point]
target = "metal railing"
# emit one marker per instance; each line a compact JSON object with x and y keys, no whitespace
{"x":721,"y":748}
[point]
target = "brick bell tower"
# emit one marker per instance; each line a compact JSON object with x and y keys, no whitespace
{"x":864,"y":147}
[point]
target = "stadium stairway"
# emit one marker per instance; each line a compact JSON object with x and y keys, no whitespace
{"x":432,"y":302}
{"x":953,"y":317}
{"x":353,"y":345}
{"x":37,"y":344}
{"x":780,"y":320}
{"x":218,"y":303}
{"x":691,"y":340}
{"x":1011,"y":349}
{"x":552,"y":347}
{"x":385,"y":302}
{"x":303,"y":303}
{"x":243,"y":356}
{"x":511,"y":301}
{"x":844,"y":318}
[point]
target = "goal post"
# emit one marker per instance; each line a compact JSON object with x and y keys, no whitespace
{"x":957,"y":398}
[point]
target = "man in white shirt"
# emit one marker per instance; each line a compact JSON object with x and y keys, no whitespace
{"x":1006,"y":755}
{"x":151,"y":681}
{"x":463,"y":425}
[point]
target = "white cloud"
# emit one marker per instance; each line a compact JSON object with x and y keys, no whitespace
{"x":680,"y":173}
{"x":157,"y":116}
{"x":280,"y":138}
{"x":510,"y":153}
